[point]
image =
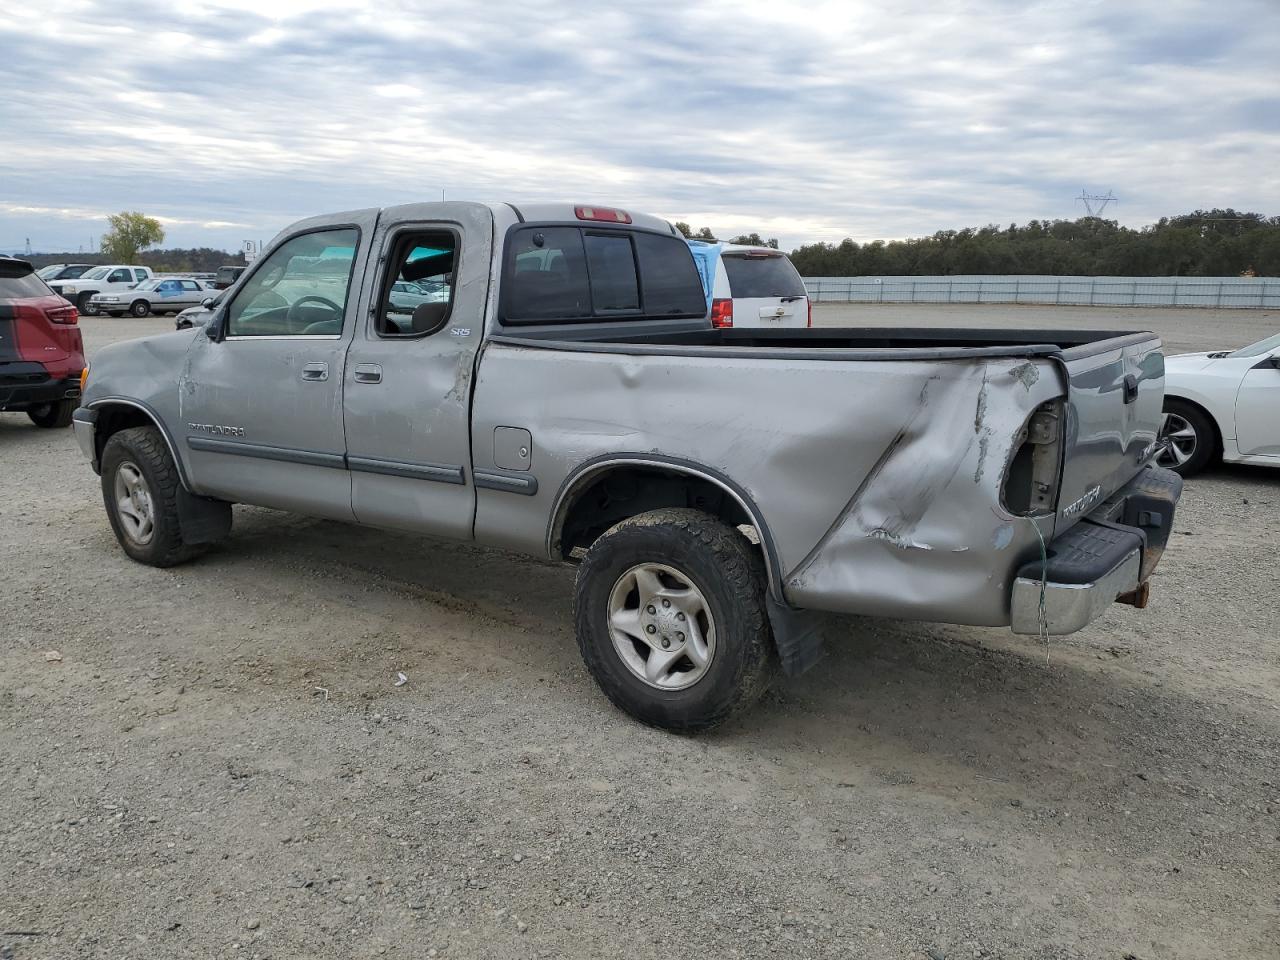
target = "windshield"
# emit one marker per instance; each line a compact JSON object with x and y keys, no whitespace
{"x":147,"y":285}
{"x":97,"y":273}
{"x":47,"y":273}
{"x":1259,"y":348}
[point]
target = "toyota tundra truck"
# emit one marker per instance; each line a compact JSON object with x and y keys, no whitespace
{"x":563,"y":394}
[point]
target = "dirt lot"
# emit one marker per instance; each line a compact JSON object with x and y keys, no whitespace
{"x":178,"y":786}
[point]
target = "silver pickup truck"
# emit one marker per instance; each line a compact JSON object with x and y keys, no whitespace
{"x":551,"y":384}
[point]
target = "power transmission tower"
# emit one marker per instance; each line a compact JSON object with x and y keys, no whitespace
{"x":1096,"y":203}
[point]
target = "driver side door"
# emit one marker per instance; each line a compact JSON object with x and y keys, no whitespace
{"x":261,"y":401}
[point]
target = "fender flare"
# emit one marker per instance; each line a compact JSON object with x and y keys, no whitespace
{"x":156,"y":421}
{"x":585,"y":472}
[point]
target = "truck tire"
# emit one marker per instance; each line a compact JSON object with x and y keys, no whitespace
{"x":140,"y":491}
{"x":86,"y":307}
{"x":671,"y":620}
{"x":1191,"y":438}
{"x":139,"y":308}
{"x":53,"y":415}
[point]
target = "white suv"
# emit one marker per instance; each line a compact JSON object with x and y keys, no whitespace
{"x":751,"y":286}
{"x":113,"y":278}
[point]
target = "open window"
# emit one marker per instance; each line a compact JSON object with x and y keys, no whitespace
{"x":417,"y":292}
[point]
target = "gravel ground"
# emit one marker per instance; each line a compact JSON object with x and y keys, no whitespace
{"x":220,"y":765}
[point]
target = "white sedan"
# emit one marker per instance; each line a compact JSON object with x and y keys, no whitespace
{"x":1223,"y":405}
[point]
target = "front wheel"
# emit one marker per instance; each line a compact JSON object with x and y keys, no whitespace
{"x":53,"y":415}
{"x":86,"y":305}
{"x":140,"y":490}
{"x":140,"y":308}
{"x":1190,"y":438}
{"x":671,"y":620}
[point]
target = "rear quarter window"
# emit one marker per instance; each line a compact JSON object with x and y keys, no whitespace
{"x":762,"y":277}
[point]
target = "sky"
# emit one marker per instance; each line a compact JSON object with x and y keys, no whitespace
{"x":229,"y":119}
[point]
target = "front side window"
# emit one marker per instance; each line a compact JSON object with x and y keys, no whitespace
{"x":419,"y":297}
{"x":120,"y":276}
{"x":300,"y":289}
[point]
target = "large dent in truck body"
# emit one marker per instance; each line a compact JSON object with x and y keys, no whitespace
{"x":863,"y":471}
{"x":924,"y":534}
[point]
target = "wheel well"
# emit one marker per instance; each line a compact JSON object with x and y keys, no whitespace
{"x":114,"y":417}
{"x":601,"y":500}
{"x":1213,"y":421}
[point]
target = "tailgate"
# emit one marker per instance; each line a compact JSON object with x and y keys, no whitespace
{"x":1115,"y":391}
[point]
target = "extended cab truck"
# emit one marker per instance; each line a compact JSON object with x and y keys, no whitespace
{"x":115,"y":279}
{"x":569,"y":399}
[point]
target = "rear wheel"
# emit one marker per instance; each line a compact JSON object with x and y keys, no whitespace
{"x":53,"y":415}
{"x":1191,"y":440}
{"x":85,"y":304}
{"x":140,"y":308}
{"x":140,"y":490}
{"x":671,"y":620}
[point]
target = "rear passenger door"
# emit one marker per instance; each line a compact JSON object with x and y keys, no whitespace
{"x":407,"y":391}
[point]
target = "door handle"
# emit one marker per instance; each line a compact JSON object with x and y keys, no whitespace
{"x":368,"y":373}
{"x":315,"y":371}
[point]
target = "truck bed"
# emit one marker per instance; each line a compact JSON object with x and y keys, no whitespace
{"x":844,"y":343}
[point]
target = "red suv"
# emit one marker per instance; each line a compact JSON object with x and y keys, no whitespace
{"x":41,"y":350}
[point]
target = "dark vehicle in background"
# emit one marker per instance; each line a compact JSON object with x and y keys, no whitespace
{"x":41,"y":349}
{"x":63,"y":271}
{"x":226,"y":276}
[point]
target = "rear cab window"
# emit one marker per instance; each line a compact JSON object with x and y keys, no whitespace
{"x":560,"y":273}
{"x":759,"y":276}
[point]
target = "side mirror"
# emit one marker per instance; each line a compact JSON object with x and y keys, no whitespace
{"x":1275,"y":361}
{"x":207,"y":303}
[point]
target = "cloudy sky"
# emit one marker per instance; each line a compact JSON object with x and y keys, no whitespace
{"x":227,"y":119}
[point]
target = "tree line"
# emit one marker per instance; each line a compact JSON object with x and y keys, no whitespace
{"x":1206,"y":243}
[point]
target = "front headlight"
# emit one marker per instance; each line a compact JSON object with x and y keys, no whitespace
{"x":108,"y":299}
{"x":70,"y":289}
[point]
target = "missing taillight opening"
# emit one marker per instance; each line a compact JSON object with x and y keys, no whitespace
{"x":1030,"y":485}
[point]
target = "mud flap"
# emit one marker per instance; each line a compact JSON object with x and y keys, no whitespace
{"x":797,"y":635}
{"x":202,"y":520}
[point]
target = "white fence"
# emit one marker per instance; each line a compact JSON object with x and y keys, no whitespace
{"x":1075,"y":291}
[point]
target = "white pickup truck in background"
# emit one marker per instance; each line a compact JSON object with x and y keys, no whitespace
{"x":114,"y":278}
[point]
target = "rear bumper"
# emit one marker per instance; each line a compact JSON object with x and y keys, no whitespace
{"x":1107,"y":555}
{"x":31,"y":386}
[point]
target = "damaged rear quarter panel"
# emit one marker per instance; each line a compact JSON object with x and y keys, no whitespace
{"x":878,"y":480}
